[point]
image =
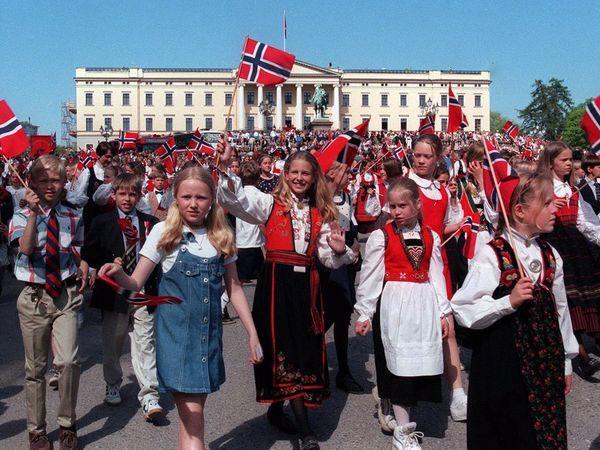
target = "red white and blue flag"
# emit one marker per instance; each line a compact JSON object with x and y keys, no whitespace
{"x":456,"y":118}
{"x":86,"y":159}
{"x":343,"y":148}
{"x":506,"y":177}
{"x":198,"y":144}
{"x":398,"y":153}
{"x":511,"y":130}
{"x":13,"y":140}
{"x":137,"y":298}
{"x":471,"y":228}
{"x":128,"y":140}
{"x":590,"y":123}
{"x":166,"y":154}
{"x":264,"y":64}
{"x":427,"y":125}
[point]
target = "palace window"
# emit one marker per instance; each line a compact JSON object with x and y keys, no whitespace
{"x":346,"y":123}
{"x":444,"y":100}
{"x":229,"y":126}
{"x":208,"y":99}
{"x":365,"y":100}
{"x":477,"y":101}
{"x":208,"y":123}
{"x":107,"y":99}
{"x":306,"y":121}
{"x":89,"y":124}
{"x":403,"y":100}
{"x":125,"y":98}
{"x":126,"y":123}
{"x":461,"y":99}
{"x":307,"y":96}
{"x":384,"y":123}
{"x":89,"y":99}
{"x":189,"y":99}
{"x":422,"y":100}
{"x":250,"y":122}
{"x":403,"y":124}
{"x":149,"y":123}
{"x":346,"y":100}
{"x":228,"y":98}
{"x":287,"y":98}
{"x":384,"y":100}
{"x":148,"y":99}
{"x":250,"y":99}
{"x":169,"y":99}
{"x":168,"y":124}
{"x":189,"y":124}
{"x":269,"y":97}
{"x":107,"y":122}
{"x":444,"y":124}
{"x":478,"y":125}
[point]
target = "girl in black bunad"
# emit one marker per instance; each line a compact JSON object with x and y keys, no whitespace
{"x":520,"y":368}
{"x":300,"y":226}
{"x":576,"y":236}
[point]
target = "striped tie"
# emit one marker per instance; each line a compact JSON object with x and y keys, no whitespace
{"x":53,"y":283}
{"x":131,"y":237}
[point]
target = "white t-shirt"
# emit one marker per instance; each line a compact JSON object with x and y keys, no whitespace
{"x":201,"y":247}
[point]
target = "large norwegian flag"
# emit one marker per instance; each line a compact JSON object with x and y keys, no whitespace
{"x":590,"y":122}
{"x":166,"y":154}
{"x":264,"y":64}
{"x":343,"y":148}
{"x":506,"y":176}
{"x":511,"y":130}
{"x":128,"y":140}
{"x":13,"y":140}
{"x":456,"y":119}
{"x":198,"y":144}
{"x":427,"y":125}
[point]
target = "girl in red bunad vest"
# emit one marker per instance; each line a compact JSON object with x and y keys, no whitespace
{"x":576,"y":236}
{"x":443,"y":218}
{"x":300,"y":226}
{"x":523,"y":339}
{"x":402,"y":292}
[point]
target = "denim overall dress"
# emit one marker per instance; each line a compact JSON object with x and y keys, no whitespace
{"x":189,"y":345}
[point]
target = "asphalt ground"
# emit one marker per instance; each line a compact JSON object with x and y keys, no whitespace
{"x":233,"y":418}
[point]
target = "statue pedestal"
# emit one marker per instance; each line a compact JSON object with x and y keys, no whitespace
{"x":320,"y":124}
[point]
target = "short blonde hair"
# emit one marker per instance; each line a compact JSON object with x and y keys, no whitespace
{"x":46,"y":163}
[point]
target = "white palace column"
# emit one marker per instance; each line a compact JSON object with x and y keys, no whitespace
{"x":335,"y":116}
{"x":241,"y":113}
{"x":261,"y":116}
{"x":279,"y":108}
{"x":299,"y":124}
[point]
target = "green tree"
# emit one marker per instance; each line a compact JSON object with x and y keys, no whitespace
{"x":546,"y":114}
{"x":497,"y":121}
{"x":572,"y":134}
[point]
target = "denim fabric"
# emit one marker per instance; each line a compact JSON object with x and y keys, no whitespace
{"x":189,"y":345}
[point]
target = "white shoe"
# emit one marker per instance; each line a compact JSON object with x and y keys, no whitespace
{"x":458,"y":408}
{"x":152,"y":410}
{"x":113,"y":396}
{"x":406,"y":438}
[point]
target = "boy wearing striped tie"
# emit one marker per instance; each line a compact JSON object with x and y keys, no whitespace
{"x":119,"y":235}
{"x":47,"y":234}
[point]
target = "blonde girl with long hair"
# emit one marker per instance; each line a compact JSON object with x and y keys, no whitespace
{"x":195,"y":248}
{"x":300,"y":226}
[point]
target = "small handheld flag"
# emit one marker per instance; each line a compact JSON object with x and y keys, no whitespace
{"x":137,"y":298}
{"x":13,"y":140}
{"x":590,"y":122}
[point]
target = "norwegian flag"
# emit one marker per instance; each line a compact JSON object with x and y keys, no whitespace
{"x":590,"y":123}
{"x":264,"y":64}
{"x":398,"y":153}
{"x":137,"y":298}
{"x":505,"y":175}
{"x":86,"y":159}
{"x":128,"y":140}
{"x":456,"y":117}
{"x":13,"y":140}
{"x":471,"y":228}
{"x":511,"y":130}
{"x":343,"y":148}
{"x":166,"y":154}
{"x":427,"y":125}
{"x":198,"y":144}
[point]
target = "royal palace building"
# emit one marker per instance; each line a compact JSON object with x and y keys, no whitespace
{"x":162,"y":101}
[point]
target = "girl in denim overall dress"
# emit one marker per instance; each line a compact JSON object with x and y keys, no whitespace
{"x":196,"y":251}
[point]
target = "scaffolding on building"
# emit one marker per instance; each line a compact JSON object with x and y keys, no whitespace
{"x":68,"y":124}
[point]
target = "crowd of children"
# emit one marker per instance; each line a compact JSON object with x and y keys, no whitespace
{"x":523,"y":301}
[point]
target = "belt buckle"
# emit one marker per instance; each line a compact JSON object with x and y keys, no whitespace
{"x":300,"y":269}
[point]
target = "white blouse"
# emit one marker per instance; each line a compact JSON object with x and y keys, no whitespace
{"x":257,"y":209}
{"x":588,"y":222}
{"x":473,"y":304}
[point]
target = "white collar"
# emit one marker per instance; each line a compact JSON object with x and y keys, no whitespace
{"x":423,"y":182}
{"x":122,"y":215}
{"x":526,"y":241}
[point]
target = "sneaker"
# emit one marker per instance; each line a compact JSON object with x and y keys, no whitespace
{"x":38,"y":440}
{"x":67,"y":439}
{"x":385,"y":413}
{"x":458,"y":408}
{"x":406,"y":438}
{"x":113,"y":396}
{"x":152,"y":410}
{"x":53,"y":380}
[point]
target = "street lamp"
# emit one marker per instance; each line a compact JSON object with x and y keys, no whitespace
{"x":106,"y":132}
{"x":266,"y":108}
{"x":428,"y":108}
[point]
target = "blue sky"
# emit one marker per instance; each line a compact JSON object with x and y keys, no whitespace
{"x":43,"y":41}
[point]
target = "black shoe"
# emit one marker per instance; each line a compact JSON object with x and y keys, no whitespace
{"x":309,"y":443}
{"x":281,"y":421}
{"x":346,"y":383}
{"x":226,"y":318}
{"x":585,"y":369}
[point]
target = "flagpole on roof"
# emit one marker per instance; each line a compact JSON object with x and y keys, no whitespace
{"x":502,"y":208}
{"x":284,"y":30}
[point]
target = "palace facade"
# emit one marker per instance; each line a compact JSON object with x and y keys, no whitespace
{"x":163,"y":100}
